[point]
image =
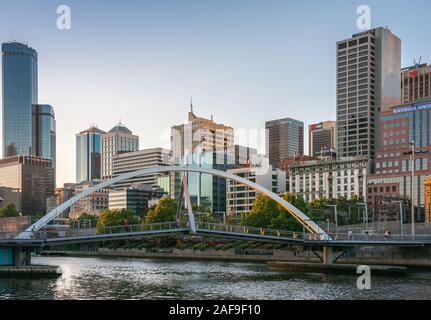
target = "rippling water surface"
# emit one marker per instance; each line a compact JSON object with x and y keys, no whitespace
{"x":100,"y":278}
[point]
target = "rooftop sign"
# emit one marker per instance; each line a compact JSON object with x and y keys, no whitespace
{"x":423,"y":106}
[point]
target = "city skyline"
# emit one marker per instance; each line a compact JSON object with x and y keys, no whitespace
{"x":263,"y":66}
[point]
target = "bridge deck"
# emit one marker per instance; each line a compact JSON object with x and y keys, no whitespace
{"x":222,"y":231}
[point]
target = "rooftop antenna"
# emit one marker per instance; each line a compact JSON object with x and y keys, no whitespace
{"x":191,"y":104}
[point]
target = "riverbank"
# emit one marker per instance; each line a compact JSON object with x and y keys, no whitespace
{"x":347,"y":269}
{"x":32,"y":271}
{"x":304,"y":258}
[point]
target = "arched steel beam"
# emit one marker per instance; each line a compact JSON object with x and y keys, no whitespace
{"x":310,"y":225}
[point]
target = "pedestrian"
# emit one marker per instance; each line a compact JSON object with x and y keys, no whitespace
{"x":386,"y":234}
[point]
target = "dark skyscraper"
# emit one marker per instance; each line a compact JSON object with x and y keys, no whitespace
{"x":88,"y":154}
{"x":44,"y":132}
{"x":368,"y":82}
{"x":284,"y":139}
{"x":20,"y":85}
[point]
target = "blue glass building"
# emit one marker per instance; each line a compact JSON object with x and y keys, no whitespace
{"x":44,"y":135}
{"x":205,"y":190}
{"x":88,"y":154}
{"x":20,"y":87}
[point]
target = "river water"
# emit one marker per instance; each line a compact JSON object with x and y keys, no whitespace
{"x":107,"y":278}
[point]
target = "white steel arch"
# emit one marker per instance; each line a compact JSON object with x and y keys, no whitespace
{"x":310,"y":225}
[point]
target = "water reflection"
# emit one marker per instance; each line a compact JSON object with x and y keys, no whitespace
{"x":97,"y":278}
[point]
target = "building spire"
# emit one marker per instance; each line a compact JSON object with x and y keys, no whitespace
{"x":191,"y":104}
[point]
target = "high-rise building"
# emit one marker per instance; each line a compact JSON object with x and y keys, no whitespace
{"x":368,"y":81}
{"x":88,"y":154}
{"x":137,"y":160}
{"x":132,"y":198}
{"x":415,"y":82}
{"x":200,"y":135}
{"x":284,"y":139}
{"x":31,"y":178}
{"x":206,"y":191}
{"x":202,"y":142}
{"x":117,"y":140}
{"x":322,"y":137}
{"x":392,"y":176}
{"x":20,"y":91}
{"x":243,"y":155}
{"x":44,"y":133}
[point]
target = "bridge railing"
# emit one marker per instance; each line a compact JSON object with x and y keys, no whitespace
{"x":368,"y":237}
{"x":141,"y":227}
{"x":249,"y":230}
{"x":47,"y":233}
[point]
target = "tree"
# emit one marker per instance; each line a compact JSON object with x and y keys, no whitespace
{"x":164,"y":211}
{"x":9,"y":211}
{"x":263,"y":212}
{"x":284,"y":221}
{"x":207,"y":217}
{"x":297,"y":201}
{"x":266,"y":213}
{"x":113,"y":218}
{"x":319,"y":203}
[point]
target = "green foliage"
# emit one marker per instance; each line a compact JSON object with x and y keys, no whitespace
{"x":284,"y":221}
{"x":266,"y":213}
{"x":9,"y":211}
{"x":263,"y":212}
{"x":164,"y":211}
{"x":201,"y":208}
{"x":296,"y":200}
{"x":206,"y":217}
{"x":113,"y":218}
{"x":86,"y":216}
{"x":319,"y":203}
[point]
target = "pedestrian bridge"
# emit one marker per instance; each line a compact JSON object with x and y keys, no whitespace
{"x":218,"y":230}
{"x":308,"y":224}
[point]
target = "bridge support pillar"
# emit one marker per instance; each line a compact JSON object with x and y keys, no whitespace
{"x":21,"y":257}
{"x":188,"y":204}
{"x":328,"y":255}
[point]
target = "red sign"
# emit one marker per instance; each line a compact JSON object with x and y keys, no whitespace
{"x":414,"y":73}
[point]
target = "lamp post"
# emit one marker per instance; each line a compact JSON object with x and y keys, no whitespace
{"x":412,"y":154}
{"x":366,"y":214}
{"x":412,"y":144}
{"x":401,"y":217}
{"x":336,"y":216}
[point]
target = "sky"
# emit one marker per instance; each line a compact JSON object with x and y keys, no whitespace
{"x":243,"y":61}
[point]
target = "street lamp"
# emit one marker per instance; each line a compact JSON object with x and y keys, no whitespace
{"x":336,"y":218}
{"x":412,"y":144}
{"x":401,"y":217}
{"x":412,"y":154}
{"x":366,"y":214}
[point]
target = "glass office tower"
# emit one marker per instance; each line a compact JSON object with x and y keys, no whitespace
{"x":19,"y":93}
{"x":206,"y":191}
{"x":44,"y":132}
{"x":88,"y":154}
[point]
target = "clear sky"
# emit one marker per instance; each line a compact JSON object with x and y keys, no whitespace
{"x":244,"y":61}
